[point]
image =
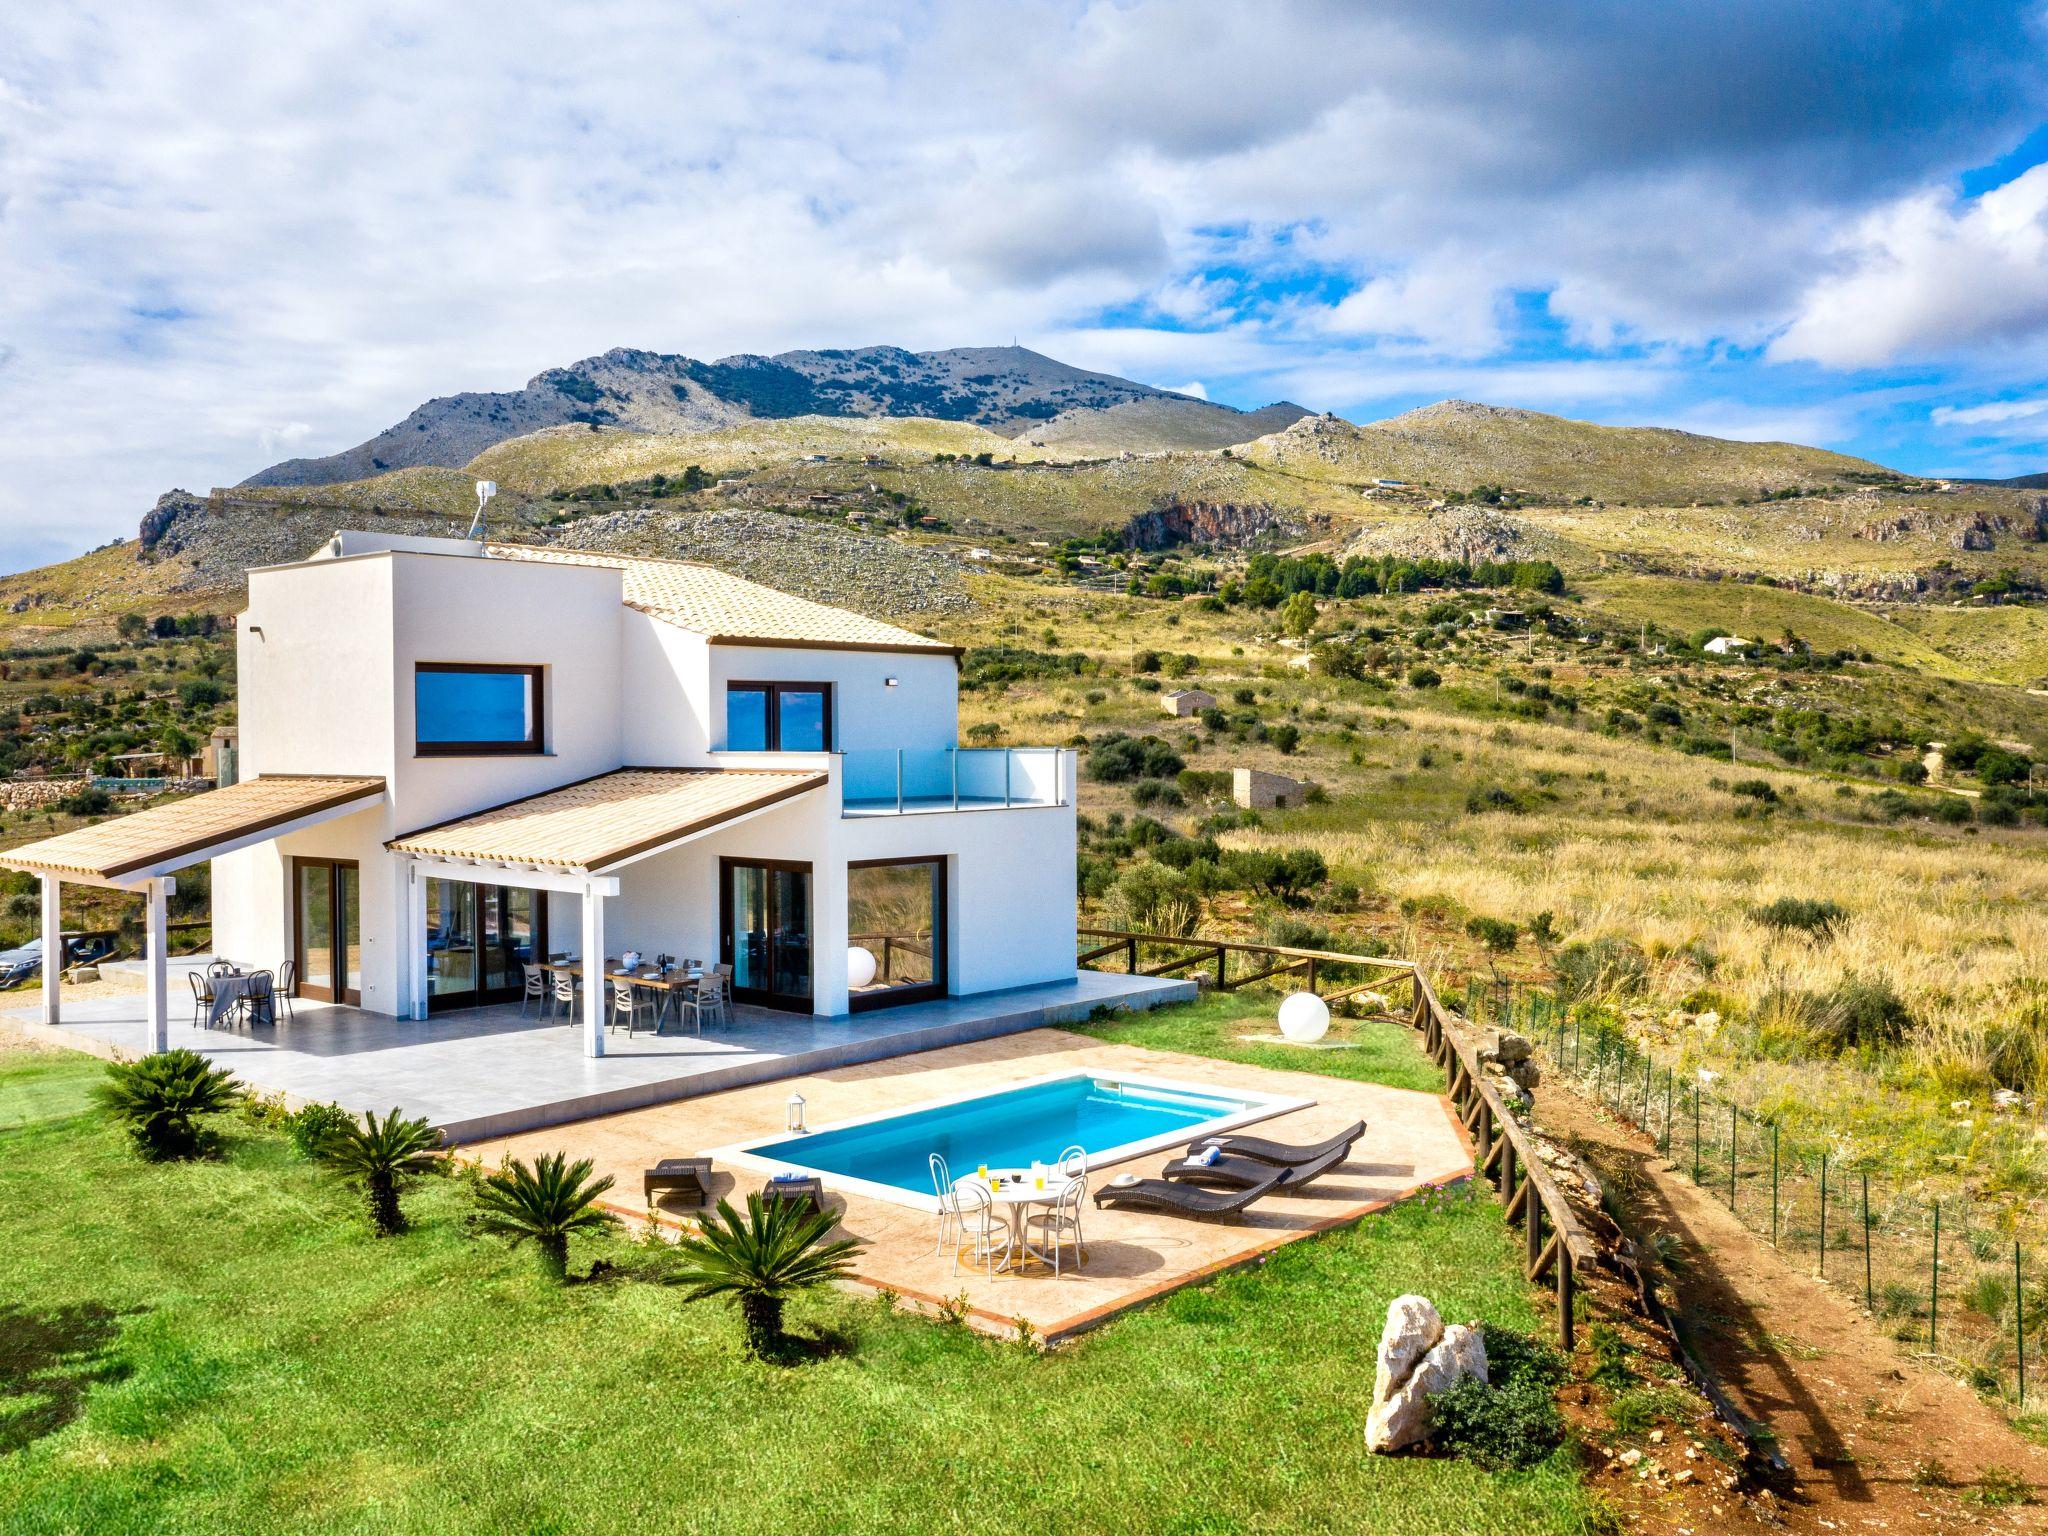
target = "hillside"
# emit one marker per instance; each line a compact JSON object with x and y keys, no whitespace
{"x":1456,"y":444}
{"x":1157,"y":423}
{"x":1004,"y":389}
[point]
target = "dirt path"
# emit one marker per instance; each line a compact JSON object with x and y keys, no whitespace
{"x":1877,"y":1443}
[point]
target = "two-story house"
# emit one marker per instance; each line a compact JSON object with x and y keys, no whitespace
{"x":457,"y":759}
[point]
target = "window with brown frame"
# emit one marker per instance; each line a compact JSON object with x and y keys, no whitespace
{"x":778,"y":717}
{"x":471,"y":709}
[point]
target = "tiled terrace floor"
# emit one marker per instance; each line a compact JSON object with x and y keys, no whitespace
{"x":488,"y":1071}
{"x":1411,"y":1142}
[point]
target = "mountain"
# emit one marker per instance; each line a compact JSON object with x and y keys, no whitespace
{"x":2022,"y":482}
{"x":1456,"y":445}
{"x":1157,"y":423}
{"x":1009,"y":390}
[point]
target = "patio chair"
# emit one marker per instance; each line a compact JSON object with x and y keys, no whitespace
{"x":1058,"y":1226}
{"x":1280,"y":1153}
{"x":714,"y":999}
{"x":979,"y":1227}
{"x":533,"y":989}
{"x":949,"y":1202}
{"x":258,"y":1002}
{"x":288,"y":986}
{"x":562,"y":990}
{"x":202,"y":999}
{"x":221,"y":968}
{"x":679,"y":1175}
{"x":806,"y":1191}
{"x":626,"y":1005}
{"x":1182,"y":1199}
{"x":1228,"y":1171}
{"x":1073,"y":1164}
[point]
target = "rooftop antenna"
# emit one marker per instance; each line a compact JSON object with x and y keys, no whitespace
{"x":485,"y":490}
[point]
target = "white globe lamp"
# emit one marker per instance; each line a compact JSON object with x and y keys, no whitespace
{"x":860,"y":967}
{"x":1304,"y":1017}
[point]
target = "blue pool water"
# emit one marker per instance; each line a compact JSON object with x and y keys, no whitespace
{"x":1011,"y":1129}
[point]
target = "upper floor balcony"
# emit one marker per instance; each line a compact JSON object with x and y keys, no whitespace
{"x":909,"y":780}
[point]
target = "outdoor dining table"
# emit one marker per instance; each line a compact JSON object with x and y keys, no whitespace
{"x":225,"y":993}
{"x":676,"y":981}
{"x":1017,"y":1191}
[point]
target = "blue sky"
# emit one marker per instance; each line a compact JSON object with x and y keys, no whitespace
{"x":237,"y":233}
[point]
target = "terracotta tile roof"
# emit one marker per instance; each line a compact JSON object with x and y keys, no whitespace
{"x":594,"y":823}
{"x":730,"y":608}
{"x":183,"y":832}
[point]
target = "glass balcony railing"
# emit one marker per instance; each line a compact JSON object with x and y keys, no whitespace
{"x":899,"y":781}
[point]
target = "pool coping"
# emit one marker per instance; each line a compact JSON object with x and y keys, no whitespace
{"x":1268,"y":1106}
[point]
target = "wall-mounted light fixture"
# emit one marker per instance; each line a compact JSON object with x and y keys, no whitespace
{"x":888,"y":682}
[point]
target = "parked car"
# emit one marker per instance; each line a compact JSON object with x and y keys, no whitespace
{"x":23,"y":965}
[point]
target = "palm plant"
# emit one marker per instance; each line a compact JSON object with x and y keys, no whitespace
{"x":380,"y":1153}
{"x":161,"y":1098}
{"x":545,"y":1202}
{"x":761,"y":1260}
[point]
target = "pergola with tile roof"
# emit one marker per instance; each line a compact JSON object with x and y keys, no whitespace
{"x":144,"y":850}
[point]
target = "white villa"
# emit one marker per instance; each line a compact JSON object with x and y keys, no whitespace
{"x":458,"y":760}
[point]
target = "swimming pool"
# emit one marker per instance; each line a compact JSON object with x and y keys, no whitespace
{"x":1114,"y":1117}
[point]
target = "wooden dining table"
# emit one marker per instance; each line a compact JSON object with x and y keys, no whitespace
{"x":676,"y":982}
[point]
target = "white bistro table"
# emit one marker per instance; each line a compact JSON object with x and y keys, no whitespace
{"x":1015,"y":1192}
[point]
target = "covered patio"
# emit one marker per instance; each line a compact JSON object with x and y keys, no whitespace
{"x":491,"y":1071}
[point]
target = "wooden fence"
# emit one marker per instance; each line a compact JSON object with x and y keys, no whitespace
{"x":1557,"y":1245}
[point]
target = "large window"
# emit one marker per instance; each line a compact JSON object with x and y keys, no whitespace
{"x":778,"y":717}
{"x":460,"y":709}
{"x":895,"y":931}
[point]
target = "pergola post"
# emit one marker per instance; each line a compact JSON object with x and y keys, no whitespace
{"x":415,"y":948}
{"x":155,"y":928}
{"x":53,"y":946}
{"x":593,"y":969}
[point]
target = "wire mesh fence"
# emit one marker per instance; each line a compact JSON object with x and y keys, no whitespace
{"x":1951,"y":1278}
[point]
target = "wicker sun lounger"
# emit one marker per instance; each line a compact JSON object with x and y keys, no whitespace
{"x":1232,"y":1172}
{"x":1183,"y":1199}
{"x":1279,"y":1152}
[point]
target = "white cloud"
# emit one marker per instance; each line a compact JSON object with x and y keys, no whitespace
{"x":1933,"y":277}
{"x":1193,"y":387}
{"x":1998,"y":418}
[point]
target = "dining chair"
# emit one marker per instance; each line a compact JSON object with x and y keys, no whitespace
{"x":980,"y":1228}
{"x":258,"y":1002}
{"x":562,"y":990}
{"x":288,"y":984}
{"x":949,"y":1202}
{"x":1058,"y":1226}
{"x":626,"y":1006}
{"x":533,"y":989}
{"x":202,"y":1000}
{"x":1073,"y":1164}
{"x":221,"y":968}
{"x":714,"y":999}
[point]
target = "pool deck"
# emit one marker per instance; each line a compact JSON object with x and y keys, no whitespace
{"x":490,"y":1071}
{"x":1412,"y":1143}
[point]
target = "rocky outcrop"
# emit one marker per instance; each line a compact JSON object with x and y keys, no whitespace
{"x":1221,"y":524}
{"x":170,"y":506}
{"x":1419,"y":1360}
{"x":1471,"y":534}
{"x":1510,"y":1060}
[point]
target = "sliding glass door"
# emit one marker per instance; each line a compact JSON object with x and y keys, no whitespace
{"x":328,"y":925}
{"x":479,"y":939}
{"x":765,"y":931}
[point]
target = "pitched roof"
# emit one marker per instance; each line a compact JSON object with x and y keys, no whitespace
{"x":595,"y":823}
{"x":184,"y":832}
{"x":730,"y":609}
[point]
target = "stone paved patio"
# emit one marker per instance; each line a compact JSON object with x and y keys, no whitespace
{"x":1412,"y":1142}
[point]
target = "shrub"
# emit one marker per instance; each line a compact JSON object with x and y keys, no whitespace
{"x":1424,"y":677}
{"x":544,"y":1202}
{"x":1511,"y":1422}
{"x":1950,"y":810}
{"x":1156,"y":792}
{"x":1492,"y":797}
{"x":1117,"y":758}
{"x":162,"y":1097}
{"x":1755,"y":789}
{"x":1494,"y":934}
{"x":1152,"y":898}
{"x":1285,"y":738}
{"x":309,"y":1126}
{"x":1594,"y":967}
{"x":1861,"y":1011}
{"x":1801,"y":914}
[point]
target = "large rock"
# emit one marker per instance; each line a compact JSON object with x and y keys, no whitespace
{"x":1419,"y":1360}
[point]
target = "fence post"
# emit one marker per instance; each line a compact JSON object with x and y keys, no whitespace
{"x":1734,"y":1136}
{"x":1823,"y":1213}
{"x":1695,"y":1133}
{"x":1649,"y":1087}
{"x":1670,"y":1078}
{"x":1774,"y":1183}
{"x":1869,"y":1295}
{"x":2019,"y":1320}
{"x":1934,"y":1287}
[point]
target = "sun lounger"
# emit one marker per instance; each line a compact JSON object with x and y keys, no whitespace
{"x":1232,"y":1172}
{"x":1279,"y":1152}
{"x":1183,"y":1199}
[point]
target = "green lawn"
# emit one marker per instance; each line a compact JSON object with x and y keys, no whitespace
{"x":222,"y":1347}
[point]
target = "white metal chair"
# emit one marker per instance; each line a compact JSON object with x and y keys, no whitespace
{"x":979,"y":1228}
{"x":1058,"y":1227}
{"x":534,"y":989}
{"x":1073,"y":1164}
{"x":949,"y":1203}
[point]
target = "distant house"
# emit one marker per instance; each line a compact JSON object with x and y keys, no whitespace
{"x":1507,"y":618}
{"x":1729,"y":645}
{"x":1391,"y":485}
{"x":977,"y":553}
{"x":1257,"y":790}
{"x":1186,"y":701}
